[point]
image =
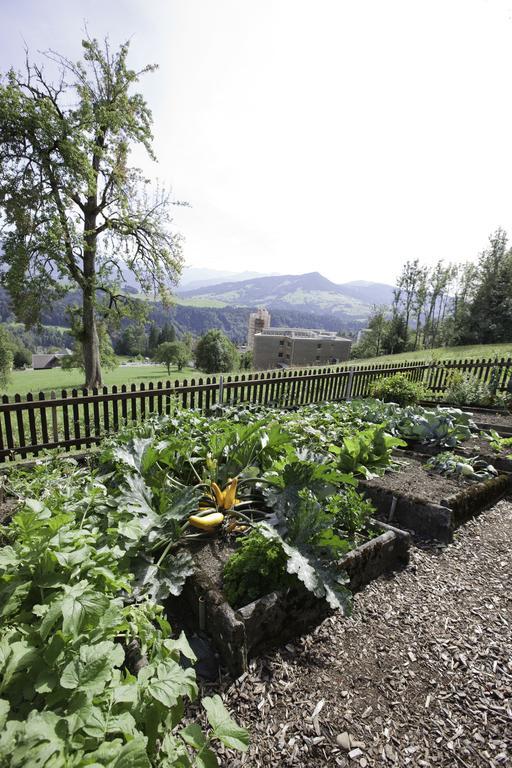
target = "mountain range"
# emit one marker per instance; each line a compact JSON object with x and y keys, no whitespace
{"x":311,"y":293}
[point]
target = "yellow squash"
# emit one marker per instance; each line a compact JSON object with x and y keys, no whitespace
{"x":207,"y":522}
{"x":225,"y":499}
{"x":230,"y":494}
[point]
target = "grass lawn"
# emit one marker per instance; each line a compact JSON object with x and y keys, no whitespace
{"x":476,"y":351}
{"x":56,"y":379}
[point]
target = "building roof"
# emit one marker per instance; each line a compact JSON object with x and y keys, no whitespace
{"x":302,"y":333}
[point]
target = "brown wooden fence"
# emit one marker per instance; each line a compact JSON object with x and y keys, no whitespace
{"x":76,"y":419}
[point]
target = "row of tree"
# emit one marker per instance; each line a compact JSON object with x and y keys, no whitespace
{"x":445,"y":305}
{"x":212,"y":353}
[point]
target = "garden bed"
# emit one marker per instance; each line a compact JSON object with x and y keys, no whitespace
{"x":475,"y":446}
{"x":427,"y":503}
{"x":275,"y":618}
{"x":484,"y":417}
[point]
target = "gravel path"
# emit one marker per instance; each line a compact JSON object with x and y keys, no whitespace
{"x":420,"y":675}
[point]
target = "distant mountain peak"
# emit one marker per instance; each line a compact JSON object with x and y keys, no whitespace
{"x":310,"y":292}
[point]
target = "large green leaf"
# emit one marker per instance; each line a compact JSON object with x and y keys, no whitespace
{"x":80,"y":605}
{"x":158,"y":582}
{"x":132,"y":755}
{"x":224,"y":727}
{"x":93,"y":667}
{"x":172,"y":682}
{"x":131,"y":454}
{"x":315,"y":577}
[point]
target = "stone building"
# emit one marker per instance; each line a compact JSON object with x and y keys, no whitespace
{"x":284,"y":347}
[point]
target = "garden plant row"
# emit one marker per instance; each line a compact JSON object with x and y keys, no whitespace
{"x":245,"y":523}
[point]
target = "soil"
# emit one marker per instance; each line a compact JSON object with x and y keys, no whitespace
{"x":414,"y":480}
{"x":496,"y":419}
{"x":211,"y":556}
{"x":7,"y":506}
{"x":420,"y":675}
{"x":477,"y":445}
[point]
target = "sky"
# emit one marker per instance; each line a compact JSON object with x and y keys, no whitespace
{"x":339,"y":136}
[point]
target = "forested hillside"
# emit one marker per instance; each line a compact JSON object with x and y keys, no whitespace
{"x":232,"y":321}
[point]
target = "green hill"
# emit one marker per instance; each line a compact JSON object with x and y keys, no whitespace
{"x":310,"y":293}
{"x":475,"y":352}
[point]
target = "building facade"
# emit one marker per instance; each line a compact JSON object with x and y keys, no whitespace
{"x":284,"y":347}
{"x":258,"y":321}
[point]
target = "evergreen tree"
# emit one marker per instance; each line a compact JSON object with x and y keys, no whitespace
{"x":153,"y":338}
{"x":168,"y":333}
{"x":490,"y":319}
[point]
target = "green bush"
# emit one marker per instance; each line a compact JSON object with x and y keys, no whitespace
{"x":467,"y":389}
{"x":398,"y":389}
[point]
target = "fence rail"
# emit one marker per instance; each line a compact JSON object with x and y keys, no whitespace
{"x":81,"y":418}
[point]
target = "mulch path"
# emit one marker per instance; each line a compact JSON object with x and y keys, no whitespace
{"x":419,"y":675}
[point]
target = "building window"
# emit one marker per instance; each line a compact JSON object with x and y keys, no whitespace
{"x":319,"y":346}
{"x":281,"y":343}
{"x":279,"y":354}
{"x":317,"y":357}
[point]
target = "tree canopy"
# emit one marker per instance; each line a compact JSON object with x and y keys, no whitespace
{"x":172,"y":352}
{"x":215,"y":353}
{"x":74,"y":213}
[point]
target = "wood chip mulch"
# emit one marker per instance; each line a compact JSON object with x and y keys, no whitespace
{"x":419,"y":675}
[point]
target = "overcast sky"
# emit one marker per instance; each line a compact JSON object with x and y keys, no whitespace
{"x":343,"y":136}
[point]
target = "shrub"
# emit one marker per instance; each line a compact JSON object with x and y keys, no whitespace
{"x":467,"y":389}
{"x":21,"y":357}
{"x":398,"y":389}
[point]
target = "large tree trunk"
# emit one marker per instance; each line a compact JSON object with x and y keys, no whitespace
{"x":91,"y":342}
{"x":90,"y":339}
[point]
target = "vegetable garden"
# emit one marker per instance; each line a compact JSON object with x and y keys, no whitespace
{"x":245,"y":524}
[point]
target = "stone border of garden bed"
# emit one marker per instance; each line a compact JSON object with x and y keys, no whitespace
{"x":279,"y":616}
{"x":428,"y":520}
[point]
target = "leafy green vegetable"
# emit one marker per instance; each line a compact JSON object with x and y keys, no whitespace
{"x":257,"y":568}
{"x":67,"y":695}
{"x":498,"y":443}
{"x":366,"y":452}
{"x":450,"y":464}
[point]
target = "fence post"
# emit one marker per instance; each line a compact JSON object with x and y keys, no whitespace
{"x":221,"y":390}
{"x":53,"y":396}
{"x":348,"y":393}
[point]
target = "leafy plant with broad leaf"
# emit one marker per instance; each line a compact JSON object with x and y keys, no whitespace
{"x":452,"y":465}
{"x":68,"y":696}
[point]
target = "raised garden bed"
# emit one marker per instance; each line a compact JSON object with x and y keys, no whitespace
{"x":428,"y":503}
{"x":278,"y":616}
{"x":475,"y":446}
{"x":484,"y":418}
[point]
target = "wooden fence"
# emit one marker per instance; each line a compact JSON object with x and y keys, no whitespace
{"x":80,"y":418}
